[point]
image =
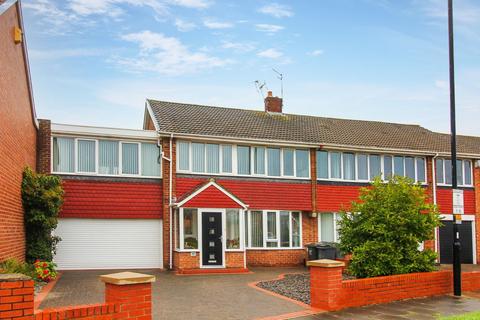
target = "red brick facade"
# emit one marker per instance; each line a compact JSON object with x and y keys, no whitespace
{"x":165,"y":198}
{"x":44,"y":141}
{"x":17,"y":135}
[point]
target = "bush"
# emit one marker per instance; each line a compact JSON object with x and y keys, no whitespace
{"x":15,"y":266}
{"x":384,"y":229}
{"x":45,"y":271}
{"x":42,"y":197}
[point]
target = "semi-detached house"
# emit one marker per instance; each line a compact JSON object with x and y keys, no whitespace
{"x":204,"y":187}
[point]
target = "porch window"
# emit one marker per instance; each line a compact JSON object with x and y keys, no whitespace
{"x":86,"y":155}
{"x":190,"y":229}
{"x":63,"y":154}
{"x":256,"y":222}
{"x":177,"y":229}
{"x":233,"y":229}
{"x":272,"y":240}
{"x":327,"y":228}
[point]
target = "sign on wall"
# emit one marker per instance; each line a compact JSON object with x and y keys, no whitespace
{"x":458,"y":207}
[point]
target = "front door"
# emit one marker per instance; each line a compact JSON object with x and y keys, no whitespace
{"x":446,"y":239}
{"x":212,"y":248}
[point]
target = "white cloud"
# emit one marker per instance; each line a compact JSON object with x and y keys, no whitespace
{"x":276,"y":10}
{"x":63,"y":53}
{"x":238,"y":46}
{"x":270,"y":53}
{"x":315,"y":53}
{"x":196,"y":4}
{"x":167,"y":55}
{"x":214,"y":24}
{"x":184,"y":26}
{"x":268,"y":28}
{"x":49,"y":13}
{"x":441,"y":84}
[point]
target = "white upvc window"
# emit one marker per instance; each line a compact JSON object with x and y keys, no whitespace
{"x":105,"y":157}
{"x":362,"y":167}
{"x":328,"y":226}
{"x":273,"y":229}
{"x":242,"y":160}
{"x":443,"y":172}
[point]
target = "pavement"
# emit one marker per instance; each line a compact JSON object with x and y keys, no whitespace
{"x":231,"y":297}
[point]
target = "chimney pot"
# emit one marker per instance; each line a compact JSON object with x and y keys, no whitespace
{"x":273,"y":104}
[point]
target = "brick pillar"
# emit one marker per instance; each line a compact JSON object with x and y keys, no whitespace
{"x":313,"y":175}
{"x":326,"y":284}
{"x":132,"y":292}
{"x":44,"y":146}
{"x":430,"y":244}
{"x":166,"y":200}
{"x":476,"y":183}
{"x":16,"y":296}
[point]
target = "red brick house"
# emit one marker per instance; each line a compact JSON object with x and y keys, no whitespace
{"x":206,"y":187}
{"x":18,"y":132}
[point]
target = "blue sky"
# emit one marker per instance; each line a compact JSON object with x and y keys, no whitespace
{"x":94,"y":62}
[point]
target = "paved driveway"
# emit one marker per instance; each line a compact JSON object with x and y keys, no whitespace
{"x":185,"y":297}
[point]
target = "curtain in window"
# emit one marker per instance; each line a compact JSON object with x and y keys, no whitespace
{"x":108,"y":157}
{"x":63,"y":154}
{"x":256,"y":222}
{"x":151,"y":157}
{"x":420,"y":169}
{"x":387,"y":167}
{"x":183,"y":152}
{"x":362,"y":166}
{"x":86,"y":156}
{"x":259,"y":157}
{"x":246,"y":228}
{"x":296,"y":229}
{"x":273,"y":160}
{"x":227,"y":158}
{"x":375,"y":168}
{"x":468,"y":172}
{"x":233,"y":229}
{"x":322,"y":164}
{"x":409,"y":167}
{"x":243,"y":160}
{"x":284,"y":229}
{"x":190,"y":229}
{"x":448,"y":171}
{"x":326,"y":227}
{"x":198,"y":157}
{"x":439,"y":171}
{"x":348,"y":166}
{"x":177,"y":229}
{"x":272,"y":240}
{"x":459,"y":172}
{"x":335,"y":165}
{"x":129,"y":158}
{"x":398,"y":166}
{"x":213,"y":158}
{"x":288,"y":155}
{"x":301,"y":163}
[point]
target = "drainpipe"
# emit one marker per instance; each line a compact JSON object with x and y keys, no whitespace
{"x":434,"y":182}
{"x":170,"y":211}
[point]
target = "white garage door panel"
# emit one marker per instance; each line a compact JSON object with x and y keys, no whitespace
{"x":109,"y":243}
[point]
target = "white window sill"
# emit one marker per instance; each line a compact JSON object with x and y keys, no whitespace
{"x":243,"y":175}
{"x":93,"y":174}
{"x":283,"y":248}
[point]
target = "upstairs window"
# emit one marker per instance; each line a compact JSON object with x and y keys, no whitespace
{"x":443,"y":171}
{"x":63,"y":154}
{"x":302,"y":164}
{"x":130,"y":158}
{"x":86,"y":155}
{"x":259,"y":160}
{"x":273,"y":158}
{"x":108,"y":157}
{"x":243,"y":159}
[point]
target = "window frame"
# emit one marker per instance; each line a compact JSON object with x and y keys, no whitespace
{"x":96,"y":173}
{"x":278,"y":230}
{"x":444,"y":171}
{"x":335,"y":229}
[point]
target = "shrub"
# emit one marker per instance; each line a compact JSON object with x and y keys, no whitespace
{"x":42,"y":197}
{"x":45,"y":271}
{"x":385,"y":226}
{"x":15,"y":266}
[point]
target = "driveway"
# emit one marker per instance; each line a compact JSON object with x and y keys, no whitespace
{"x":186,"y":297}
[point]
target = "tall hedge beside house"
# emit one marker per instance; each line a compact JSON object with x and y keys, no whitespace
{"x":42,"y":197}
{"x":385,"y":226}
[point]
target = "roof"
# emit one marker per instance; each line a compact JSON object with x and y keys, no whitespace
{"x":201,"y":120}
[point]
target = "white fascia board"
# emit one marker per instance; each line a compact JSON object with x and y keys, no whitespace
{"x":78,"y":130}
{"x":148,"y":108}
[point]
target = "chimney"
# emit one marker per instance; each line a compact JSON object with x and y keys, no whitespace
{"x":273,"y":104}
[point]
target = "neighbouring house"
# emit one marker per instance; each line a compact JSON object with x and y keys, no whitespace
{"x":18,"y":129}
{"x":204,"y":187}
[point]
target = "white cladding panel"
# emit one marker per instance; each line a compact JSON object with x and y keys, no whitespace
{"x":109,"y":243}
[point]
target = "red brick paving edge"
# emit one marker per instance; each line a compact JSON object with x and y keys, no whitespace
{"x":45,"y":291}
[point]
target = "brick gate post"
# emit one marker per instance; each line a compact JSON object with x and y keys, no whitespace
{"x":326,"y":284}
{"x":16,"y":296}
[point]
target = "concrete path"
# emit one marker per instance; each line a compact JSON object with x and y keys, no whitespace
{"x":186,"y":297}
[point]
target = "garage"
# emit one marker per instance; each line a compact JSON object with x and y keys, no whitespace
{"x":467,"y":241}
{"x":109,"y":244}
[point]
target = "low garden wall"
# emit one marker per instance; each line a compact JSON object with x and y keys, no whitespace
{"x":128,"y":295}
{"x":329,"y":292}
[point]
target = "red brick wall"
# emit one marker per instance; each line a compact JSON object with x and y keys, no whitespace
{"x":184,"y":260}
{"x":16,"y":298}
{"x":476,"y":181}
{"x":445,"y":202}
{"x":275,"y":258}
{"x":234,"y":259}
{"x":44,"y":141}
{"x":17,"y":136}
{"x":111,"y":199}
{"x":165,"y":196}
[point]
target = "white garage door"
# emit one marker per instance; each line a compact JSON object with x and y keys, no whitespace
{"x":109,"y":243}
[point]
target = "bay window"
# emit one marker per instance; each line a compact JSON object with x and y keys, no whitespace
{"x":443,"y":172}
{"x":105,"y":157}
{"x":274,"y":229}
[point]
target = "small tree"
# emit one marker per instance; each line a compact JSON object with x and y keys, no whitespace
{"x":385,"y":227}
{"x":42,"y":197}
